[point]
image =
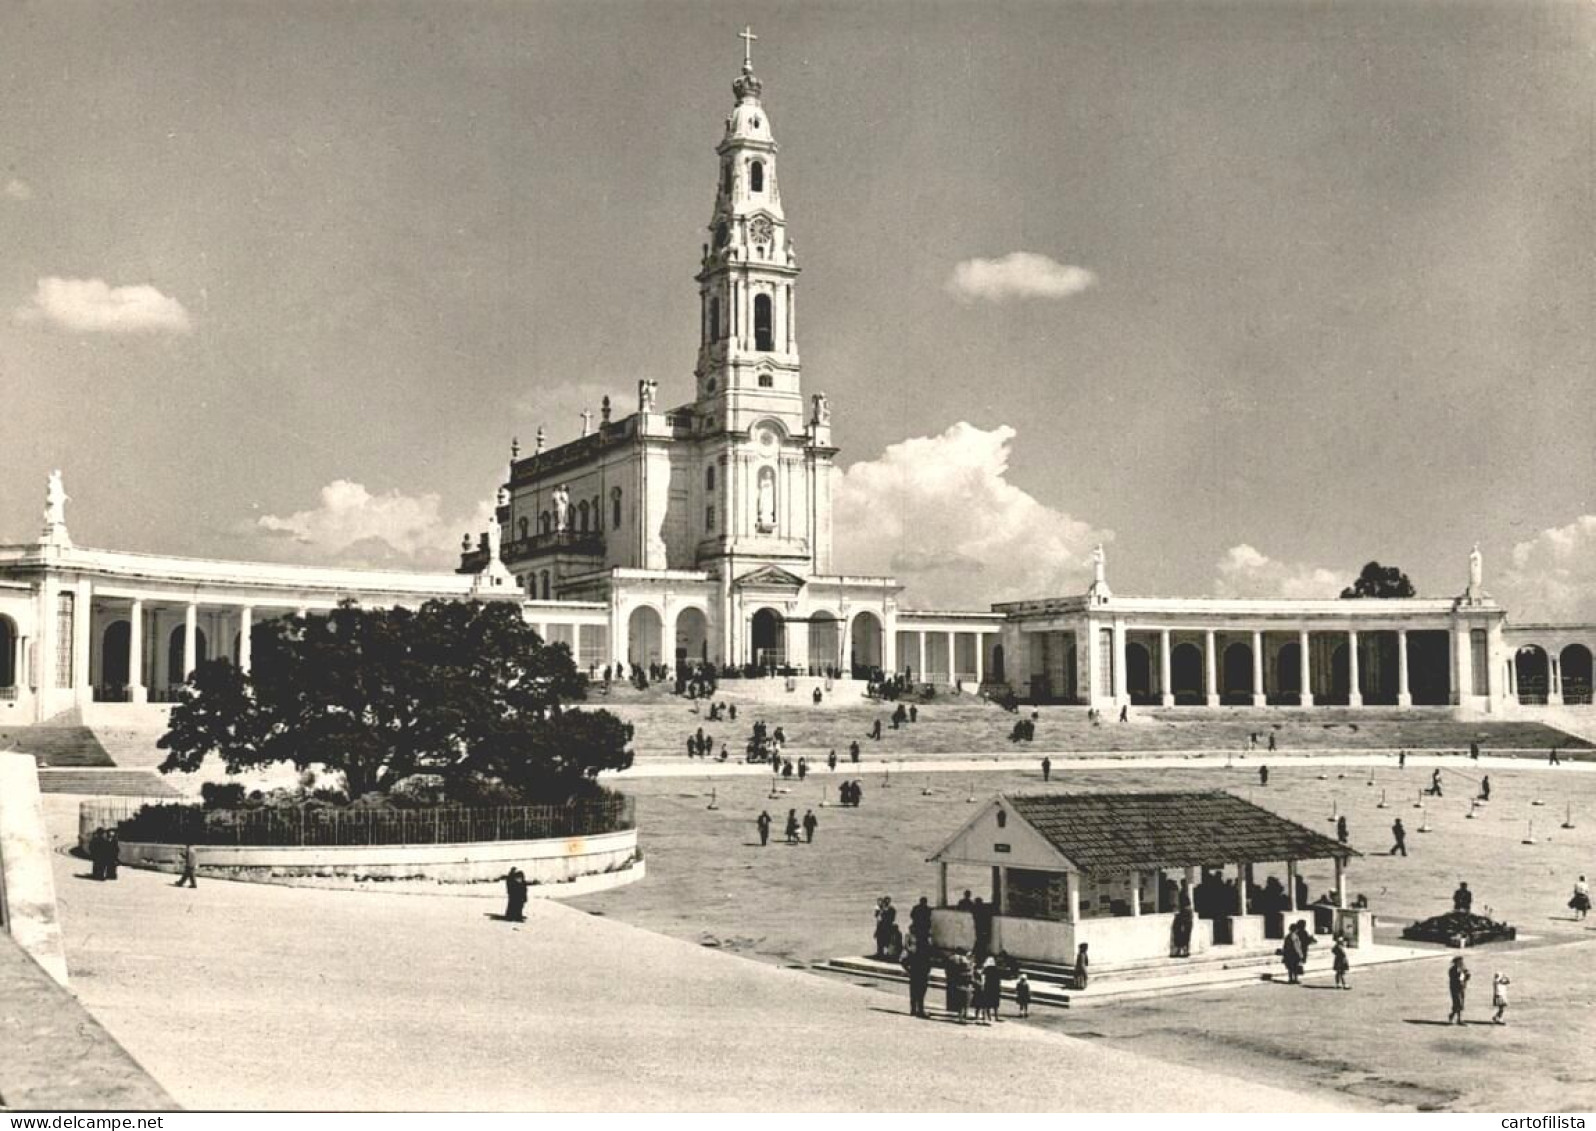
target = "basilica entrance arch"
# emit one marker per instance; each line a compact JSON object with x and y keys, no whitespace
{"x":1531,"y":673}
{"x":692,"y":636}
{"x":864,"y":645}
{"x":113,"y":654}
{"x":768,"y":639}
{"x":1574,"y":661}
{"x":824,"y":642}
{"x":644,"y":636}
{"x":1186,"y":674}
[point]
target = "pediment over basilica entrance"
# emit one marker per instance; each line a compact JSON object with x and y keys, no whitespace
{"x":770,"y":577}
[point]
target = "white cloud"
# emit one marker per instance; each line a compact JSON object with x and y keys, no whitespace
{"x":94,"y":306}
{"x":1244,"y":572}
{"x":1553,"y":575}
{"x":18,"y":189}
{"x":351,"y":526}
{"x":1020,"y":274}
{"x":938,"y":513}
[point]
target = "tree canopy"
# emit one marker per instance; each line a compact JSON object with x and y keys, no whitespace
{"x":461,"y":690}
{"x":1377,"y":580}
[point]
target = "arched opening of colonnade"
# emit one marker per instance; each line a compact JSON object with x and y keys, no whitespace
{"x":825,"y":644}
{"x":864,"y":646}
{"x":115,"y":644}
{"x":176,"y":675}
{"x":1186,"y":675}
{"x":1531,"y":674}
{"x":1139,"y":680}
{"x":1235,"y":678}
{"x":1574,"y":663}
{"x":8,"y":658}
{"x":644,"y":636}
{"x":692,"y":637}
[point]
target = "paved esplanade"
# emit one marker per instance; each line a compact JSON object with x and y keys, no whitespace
{"x":252,"y":996}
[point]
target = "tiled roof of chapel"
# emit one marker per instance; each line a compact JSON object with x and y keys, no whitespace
{"x":1116,"y":832}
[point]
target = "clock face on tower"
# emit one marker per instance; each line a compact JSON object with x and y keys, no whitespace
{"x":762,"y":231}
{"x":766,"y":437}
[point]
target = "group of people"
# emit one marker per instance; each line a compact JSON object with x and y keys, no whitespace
{"x":701,"y":745}
{"x":105,"y":853}
{"x":719,"y":710}
{"x":808,"y":825}
{"x":850,"y":793}
{"x":901,"y":716}
{"x":1457,"y":978}
{"x":1024,"y":730}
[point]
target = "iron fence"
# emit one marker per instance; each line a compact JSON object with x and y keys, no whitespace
{"x":183,"y":823}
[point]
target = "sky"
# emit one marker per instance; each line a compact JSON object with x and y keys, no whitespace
{"x":1252,"y":293}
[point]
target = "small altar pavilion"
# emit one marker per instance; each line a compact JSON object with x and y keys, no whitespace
{"x":1116,"y":870}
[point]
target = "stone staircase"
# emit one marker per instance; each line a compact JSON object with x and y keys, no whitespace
{"x":57,"y":745}
{"x":113,"y":782}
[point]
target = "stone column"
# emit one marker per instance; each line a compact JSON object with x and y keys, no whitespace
{"x":1291,"y":885}
{"x":1072,"y":880}
{"x":920,"y":655}
{"x":942,"y":885}
{"x":1166,"y":694}
{"x":82,"y":638}
{"x":1354,"y":694}
{"x":190,"y":642}
{"x":1341,"y":881}
{"x":1305,"y":669}
{"x":246,"y":620}
{"x":1404,"y":696}
{"x":953,"y":664}
{"x":137,"y":692}
{"x":1259,"y":697}
{"x":1121,"y":677}
{"x":980,"y":659}
{"x":1210,"y":669}
{"x":1241,"y":889}
{"x":1002,"y":892}
{"x":1462,"y":664}
{"x":1094,"y":664}
{"x":1136,"y":893}
{"x":1554,"y":679}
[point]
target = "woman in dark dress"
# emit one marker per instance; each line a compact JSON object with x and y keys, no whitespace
{"x":515,"y":895}
{"x":992,"y":987}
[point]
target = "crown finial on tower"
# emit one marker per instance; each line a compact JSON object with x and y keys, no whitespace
{"x":747,"y":86}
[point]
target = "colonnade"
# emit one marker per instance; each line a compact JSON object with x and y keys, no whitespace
{"x":918,"y":654}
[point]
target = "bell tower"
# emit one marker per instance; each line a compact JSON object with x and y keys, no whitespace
{"x":748,"y":367}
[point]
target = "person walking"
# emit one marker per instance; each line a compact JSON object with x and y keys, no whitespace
{"x":886,"y":920}
{"x":831,"y":761}
{"x":1402,"y":759}
{"x":1499,"y":984}
{"x":917,"y":964}
{"x":515,"y":896}
{"x":1339,"y":963}
{"x":1292,"y":956}
{"x":1400,"y":836}
{"x":1341,"y":829}
{"x":1457,"y":981}
{"x":810,"y":824}
{"x":1580,"y":903}
{"x":1271,"y":740}
{"x":803,"y":767}
{"x":1263,"y":775}
{"x":1551,"y":758}
{"x":1047,"y":768}
{"x":113,"y":854}
{"x":97,"y":854}
{"x":1080,"y":967}
{"x":792,"y":826}
{"x":1022,"y":994}
{"x":763,"y":822}
{"x":1485,"y":788}
{"x":190,"y":860}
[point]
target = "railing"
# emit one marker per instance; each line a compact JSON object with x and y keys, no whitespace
{"x":187,"y":823}
{"x":113,"y":693}
{"x":7,"y":694}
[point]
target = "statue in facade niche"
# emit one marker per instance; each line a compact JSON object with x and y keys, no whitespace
{"x":767,"y":499}
{"x":562,"y":509}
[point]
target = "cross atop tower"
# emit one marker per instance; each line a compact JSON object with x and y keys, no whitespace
{"x":747,"y":36}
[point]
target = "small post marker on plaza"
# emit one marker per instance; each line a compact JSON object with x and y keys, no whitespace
{"x":1371,"y":775}
{"x":1419,"y":804}
{"x":825,"y":791}
{"x":1568,"y":818}
{"x":1529,"y":835}
{"x":1424,"y":819}
{"x":971,"y":799}
{"x":1470,"y":813}
{"x":886,"y":778}
{"x":1382,"y":804}
{"x":712,"y":798}
{"x":1333,"y":811}
{"x":1537,"y":802}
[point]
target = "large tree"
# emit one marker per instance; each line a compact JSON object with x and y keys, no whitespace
{"x":456,"y":689}
{"x":1377,"y":580}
